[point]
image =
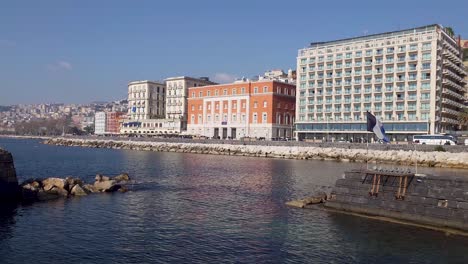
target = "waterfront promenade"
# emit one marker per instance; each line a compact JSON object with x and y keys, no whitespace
{"x":453,"y":157}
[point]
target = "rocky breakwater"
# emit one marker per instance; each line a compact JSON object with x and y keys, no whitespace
{"x":54,"y":188}
{"x":8,"y":180}
{"x":431,"y":159}
{"x":430,"y":201}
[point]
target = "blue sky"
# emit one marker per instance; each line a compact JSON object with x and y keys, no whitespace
{"x":83,"y":51}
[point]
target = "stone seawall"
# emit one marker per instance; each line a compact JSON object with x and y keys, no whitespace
{"x":8,"y":180}
{"x":428,"y":200}
{"x":431,"y":159}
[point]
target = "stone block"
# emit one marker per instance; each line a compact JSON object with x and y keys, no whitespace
{"x":462,"y":205}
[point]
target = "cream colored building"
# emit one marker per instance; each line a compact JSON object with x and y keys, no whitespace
{"x":146,"y":108}
{"x":411,"y":79}
{"x":176,"y":99}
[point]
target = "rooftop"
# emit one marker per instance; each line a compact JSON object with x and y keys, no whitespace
{"x":145,"y":81}
{"x":204,"y":79}
{"x":379,"y":35}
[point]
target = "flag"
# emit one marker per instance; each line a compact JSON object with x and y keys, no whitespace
{"x":374,"y":125}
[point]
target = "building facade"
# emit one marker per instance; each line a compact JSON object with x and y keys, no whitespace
{"x":146,"y":100}
{"x":411,"y":79}
{"x":146,"y":104}
{"x":261,"y":109}
{"x":100,"y":123}
{"x":176,"y":99}
{"x":464,"y":45}
{"x":114,"y":122}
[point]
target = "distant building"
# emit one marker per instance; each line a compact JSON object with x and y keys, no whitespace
{"x":114,"y":122}
{"x":411,"y":79}
{"x":261,"y":109}
{"x":100,"y":123}
{"x":146,"y":100}
{"x":176,"y":99}
{"x":279,"y":75}
{"x":146,"y":103}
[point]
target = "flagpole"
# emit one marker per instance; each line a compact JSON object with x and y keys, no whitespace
{"x":415,"y":160}
{"x":367,"y":154}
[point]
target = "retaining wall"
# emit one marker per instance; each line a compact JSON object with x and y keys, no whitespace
{"x":429,"y":200}
{"x":431,"y":159}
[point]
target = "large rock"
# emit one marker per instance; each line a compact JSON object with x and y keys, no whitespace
{"x":45,"y":196}
{"x":58,"y":191}
{"x":104,"y":186}
{"x":100,"y":177}
{"x":78,"y":191}
{"x":51,"y":182}
{"x":89,"y":188}
{"x":28,"y":191}
{"x":72,"y":182}
{"x":122,"y":178}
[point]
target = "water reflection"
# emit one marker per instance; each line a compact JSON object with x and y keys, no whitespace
{"x":8,"y":213}
{"x":201,"y":208}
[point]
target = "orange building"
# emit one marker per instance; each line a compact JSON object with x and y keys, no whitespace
{"x":113,"y":122}
{"x":261,"y":109}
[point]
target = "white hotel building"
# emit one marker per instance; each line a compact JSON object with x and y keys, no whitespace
{"x":411,"y":79}
{"x":146,"y":108}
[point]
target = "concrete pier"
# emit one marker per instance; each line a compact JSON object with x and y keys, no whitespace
{"x":8,"y":180}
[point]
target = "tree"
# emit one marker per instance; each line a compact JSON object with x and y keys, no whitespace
{"x":463,"y":118}
{"x":450,"y":31}
{"x":89,"y":130}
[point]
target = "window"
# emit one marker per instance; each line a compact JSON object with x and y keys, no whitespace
{"x":234,"y":105}
{"x":242,"y":90}
{"x":216,"y":93}
{"x":255,"y":118}
{"x":216,"y":118}
{"x":225,"y":106}
{"x":255,"y":90}
{"x":265,"y":103}
{"x":234,"y":118}
{"x":208,"y":117}
{"x":234,"y":91}
{"x":200,"y":119}
{"x":243,"y":105}
{"x":193,"y":94}
{"x":193,"y":108}
{"x":225,"y":92}
{"x":192,"y":119}
{"x":200,"y":107}
{"x":264,"y":118}
{"x":426,"y":46}
{"x":426,"y":56}
{"x":209,"y":106}
{"x":255,"y":104}
{"x":217,"y":106}
{"x":243,"y":117}
{"x":208,"y":93}
{"x":200,"y":94}
{"x":265,"y":89}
